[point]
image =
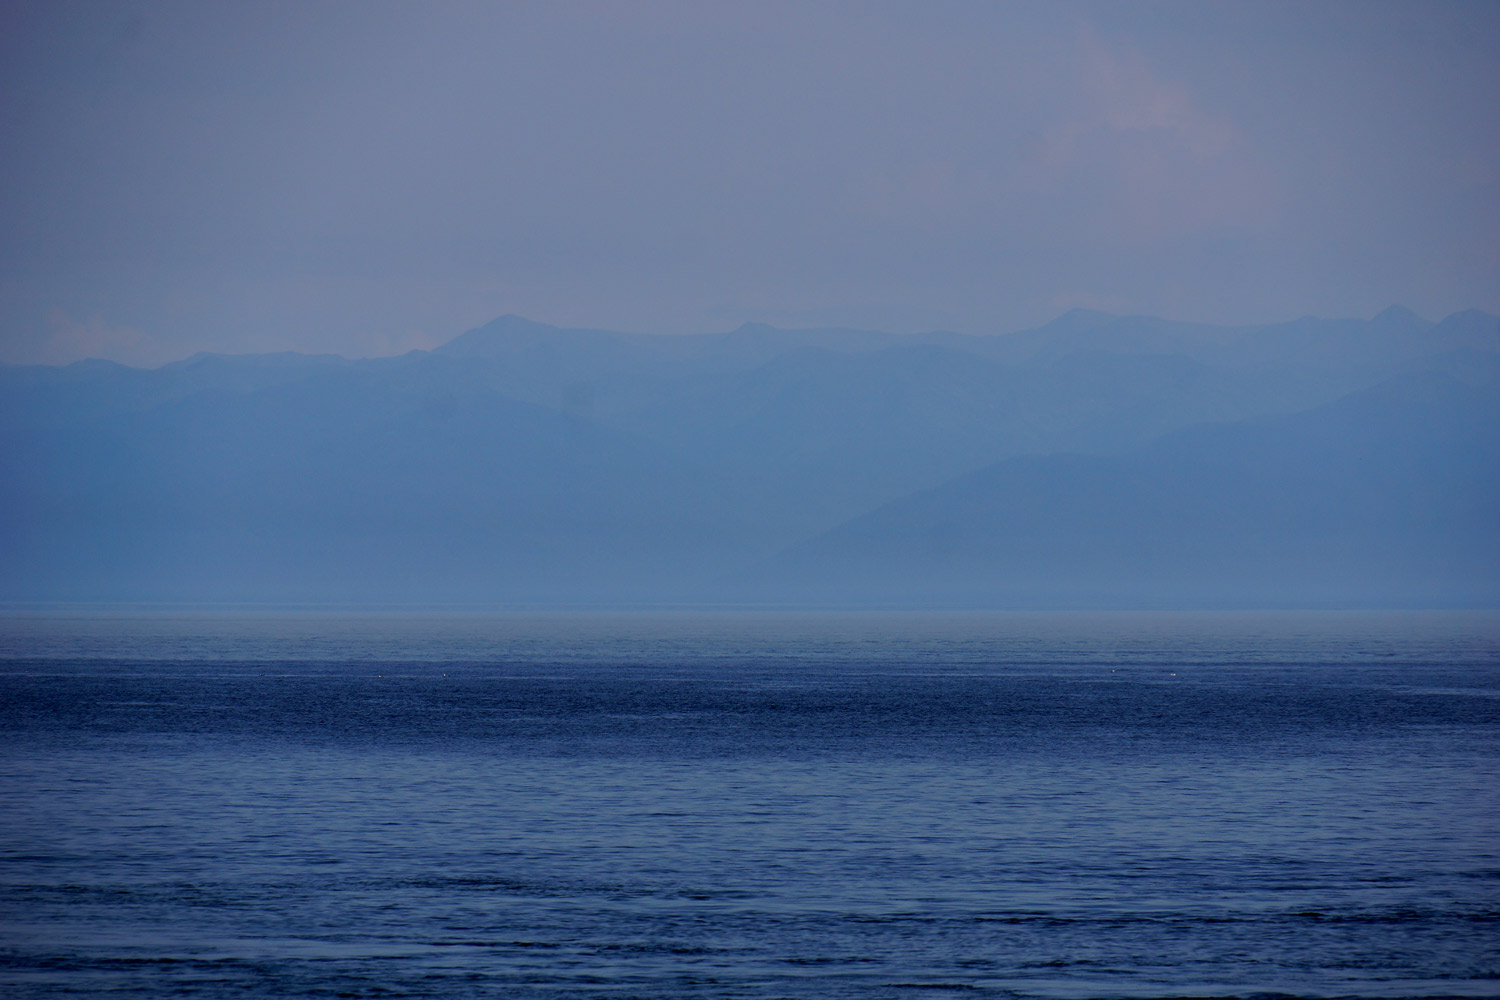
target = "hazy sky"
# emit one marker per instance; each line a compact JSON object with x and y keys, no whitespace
{"x":367,"y":177}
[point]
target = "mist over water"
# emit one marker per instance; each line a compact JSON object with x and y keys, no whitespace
{"x":749,"y":804}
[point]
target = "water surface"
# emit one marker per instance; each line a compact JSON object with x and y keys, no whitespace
{"x":292,"y":803}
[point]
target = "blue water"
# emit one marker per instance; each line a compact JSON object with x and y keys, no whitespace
{"x":249,"y":804}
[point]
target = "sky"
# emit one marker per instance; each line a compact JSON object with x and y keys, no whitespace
{"x":367,"y":178}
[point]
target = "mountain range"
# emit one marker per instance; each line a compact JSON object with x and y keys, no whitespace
{"x":1099,"y":460}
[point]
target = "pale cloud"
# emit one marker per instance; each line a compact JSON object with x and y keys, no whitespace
{"x":1148,"y":159}
{"x":1129,"y":159}
{"x":71,"y":340}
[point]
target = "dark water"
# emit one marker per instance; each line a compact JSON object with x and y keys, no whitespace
{"x":749,"y":805}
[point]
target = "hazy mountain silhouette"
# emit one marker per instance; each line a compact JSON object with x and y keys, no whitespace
{"x":1098,"y":459}
{"x":1389,"y":495}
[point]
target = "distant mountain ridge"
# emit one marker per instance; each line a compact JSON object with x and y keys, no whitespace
{"x":1383,"y":495}
{"x":522,"y":462}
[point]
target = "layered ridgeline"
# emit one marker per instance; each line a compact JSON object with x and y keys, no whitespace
{"x":1099,"y":460}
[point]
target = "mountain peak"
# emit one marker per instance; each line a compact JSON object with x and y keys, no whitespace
{"x":480,"y":340}
{"x":1394,"y":315}
{"x":511,"y":323}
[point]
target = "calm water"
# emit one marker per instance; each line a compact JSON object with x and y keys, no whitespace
{"x":749,"y":805}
